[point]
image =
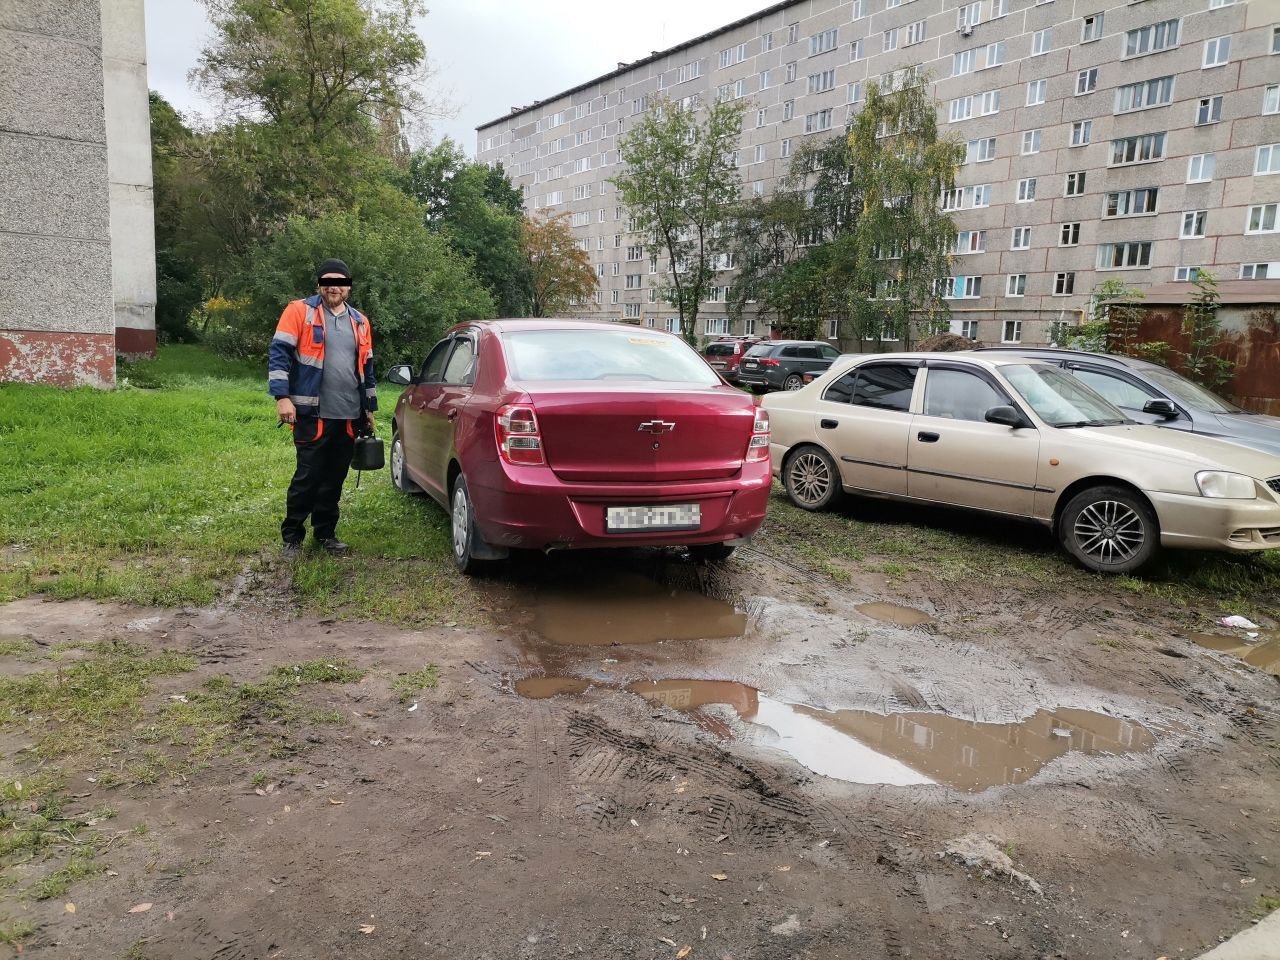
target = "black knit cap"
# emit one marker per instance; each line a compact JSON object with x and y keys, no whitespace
{"x":333,"y":266}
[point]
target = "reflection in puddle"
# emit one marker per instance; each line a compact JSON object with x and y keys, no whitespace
{"x":630,"y":608}
{"x":1264,"y":655}
{"x":861,"y":746}
{"x":894,"y":613}
{"x":540,"y":688}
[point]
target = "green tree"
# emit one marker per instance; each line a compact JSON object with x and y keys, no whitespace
{"x":481,"y":214}
{"x":898,"y":168}
{"x":412,"y":285}
{"x":1200,"y":326}
{"x":680,"y":184}
{"x":179,"y":279}
{"x":560,"y":272}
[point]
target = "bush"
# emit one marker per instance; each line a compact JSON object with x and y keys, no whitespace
{"x":406,"y":279}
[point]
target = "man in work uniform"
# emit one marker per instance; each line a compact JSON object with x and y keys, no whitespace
{"x":321,"y":374}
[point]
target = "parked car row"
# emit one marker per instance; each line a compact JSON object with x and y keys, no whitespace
{"x":554,"y":434}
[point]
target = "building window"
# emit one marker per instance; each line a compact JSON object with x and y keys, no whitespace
{"x":1021,"y":238}
{"x":915,"y":33}
{"x":613,"y":296}
{"x":1091,"y":28}
{"x":1271,"y":99}
{"x":1131,"y":203}
{"x":968,"y":16}
{"x":890,"y":41}
{"x":993,"y":55}
{"x":1026,"y":190}
{"x":1015,"y":285}
{"x":1262,"y":219}
{"x":1069,"y":236}
{"x":1041,"y":41}
{"x":980,"y":151}
{"x":631,"y":311}
{"x":793,"y":32}
{"x":1193,"y":222}
{"x":822,"y":42}
{"x":614,"y":268}
{"x":1030,"y":142}
{"x":1074,"y":186}
{"x":1064,"y":284}
{"x":859,"y":9}
{"x":967,"y":241}
{"x":1185,"y":274}
{"x":791,"y":71}
{"x":759,"y":153}
{"x":963,"y":288}
{"x":1259,"y":271}
{"x":822,"y":82}
{"x":1215,"y":4}
{"x":760,"y":114}
{"x":786,"y":148}
{"x":1200,"y":168}
{"x":1267,"y":160}
{"x":1036,"y":91}
{"x":817,"y":122}
{"x":1152,"y":39}
{"x":788,"y":109}
{"x":1141,"y":149}
{"x":1012,"y":332}
{"x":833,"y":329}
{"x":635,"y":253}
{"x":1144,"y":94}
{"x":717,"y":326}
{"x":1122,"y":256}
{"x":855,"y":51}
{"x":1275,"y":39}
{"x":854,"y":94}
{"x":766,"y":43}
{"x":1081,"y":133}
{"x":999,"y":8}
{"x":964,"y":62}
{"x":969,"y":329}
{"x":1086,"y":81}
{"x":634,"y":281}
{"x":1208,"y":110}
{"x":1216,"y":52}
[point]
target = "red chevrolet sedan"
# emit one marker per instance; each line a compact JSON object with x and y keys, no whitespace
{"x":561,"y":434}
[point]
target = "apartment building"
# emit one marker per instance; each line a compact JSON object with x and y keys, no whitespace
{"x":1136,"y":140}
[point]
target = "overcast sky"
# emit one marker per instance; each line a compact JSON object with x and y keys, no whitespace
{"x":489,"y":55}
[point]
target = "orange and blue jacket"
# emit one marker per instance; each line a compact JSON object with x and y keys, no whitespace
{"x":296,"y":363}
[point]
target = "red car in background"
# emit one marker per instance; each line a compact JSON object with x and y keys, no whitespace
{"x":554,"y":434}
{"x":725,"y":355}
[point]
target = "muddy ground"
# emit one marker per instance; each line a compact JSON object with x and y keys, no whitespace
{"x":638,"y":757}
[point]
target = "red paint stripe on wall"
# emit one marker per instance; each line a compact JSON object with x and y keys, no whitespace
{"x":58,"y":359}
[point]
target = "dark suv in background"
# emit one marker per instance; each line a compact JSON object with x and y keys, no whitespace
{"x":782,"y":364}
{"x":725,"y":355}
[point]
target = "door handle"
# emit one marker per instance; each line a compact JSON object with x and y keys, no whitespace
{"x":926,"y":436}
{"x":828,"y":424}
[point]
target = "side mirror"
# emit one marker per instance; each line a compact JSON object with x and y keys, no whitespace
{"x":1164,"y":409}
{"x":401,"y":375}
{"x":1005,"y":415}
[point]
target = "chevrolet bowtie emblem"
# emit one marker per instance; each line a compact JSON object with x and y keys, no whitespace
{"x":656,"y":426}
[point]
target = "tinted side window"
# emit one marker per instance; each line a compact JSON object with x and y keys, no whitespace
{"x":760,"y":350}
{"x":841,"y":389}
{"x":958,"y":395}
{"x":719,"y":350}
{"x":885,"y":386}
{"x":1116,"y":389}
{"x":433,"y":367}
{"x":459,"y":365}
{"x":828,"y":353}
{"x":808,"y":353}
{"x":790,"y":352}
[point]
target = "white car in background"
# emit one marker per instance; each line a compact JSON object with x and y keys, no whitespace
{"x":1022,"y":438}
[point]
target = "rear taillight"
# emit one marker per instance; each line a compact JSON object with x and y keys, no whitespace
{"x":758,"y":447}
{"x":768,"y":362}
{"x":516,"y":430}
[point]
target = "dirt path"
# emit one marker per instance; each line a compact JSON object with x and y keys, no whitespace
{"x":590,"y":777}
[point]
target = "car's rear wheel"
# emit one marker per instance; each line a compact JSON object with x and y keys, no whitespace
{"x":399,"y":476}
{"x":1109,"y":530}
{"x":793,"y":382}
{"x":462,"y":523}
{"x":710,"y":552}
{"x":811,"y":478}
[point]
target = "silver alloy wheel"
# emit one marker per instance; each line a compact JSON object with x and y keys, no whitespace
{"x":1109,"y":531}
{"x":792,"y":382}
{"x":397,"y":462}
{"x":461,"y":521}
{"x":810,"y":478}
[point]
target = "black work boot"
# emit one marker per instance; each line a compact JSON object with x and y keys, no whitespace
{"x":335,"y":546}
{"x":291,"y":550}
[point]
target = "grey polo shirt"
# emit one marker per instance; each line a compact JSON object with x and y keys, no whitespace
{"x":339,"y":384}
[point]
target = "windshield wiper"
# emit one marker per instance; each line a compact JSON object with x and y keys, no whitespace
{"x":1092,"y":423}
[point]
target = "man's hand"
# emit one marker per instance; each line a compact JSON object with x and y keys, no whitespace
{"x":368,"y":420}
{"x":286,"y":411}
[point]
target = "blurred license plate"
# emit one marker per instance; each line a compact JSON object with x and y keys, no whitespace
{"x":668,"y":516}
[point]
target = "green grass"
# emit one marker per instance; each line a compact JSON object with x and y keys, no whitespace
{"x":409,"y":686}
{"x":163,"y":490}
{"x":955,"y":546}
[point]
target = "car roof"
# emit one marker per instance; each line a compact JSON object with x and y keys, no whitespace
{"x":1064,"y":353}
{"x":981,"y":359}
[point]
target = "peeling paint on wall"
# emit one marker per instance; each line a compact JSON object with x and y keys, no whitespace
{"x":59,"y":359}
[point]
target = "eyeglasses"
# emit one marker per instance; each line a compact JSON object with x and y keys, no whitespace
{"x":334,"y":282}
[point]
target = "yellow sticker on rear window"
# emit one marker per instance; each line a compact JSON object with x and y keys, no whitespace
{"x":647,"y":343}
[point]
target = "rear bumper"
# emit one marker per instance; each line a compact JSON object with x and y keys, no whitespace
{"x":756,"y":379}
{"x":531,"y":508}
{"x":1212,"y":524}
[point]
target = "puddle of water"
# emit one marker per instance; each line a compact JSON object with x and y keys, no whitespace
{"x":896,"y":614}
{"x":630,"y":608}
{"x":902,"y":749}
{"x":541,"y":688}
{"x":1265,"y":655}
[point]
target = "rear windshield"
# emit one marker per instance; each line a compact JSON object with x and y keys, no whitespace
{"x":604,"y":355}
{"x":720,"y":350}
{"x":761,"y":350}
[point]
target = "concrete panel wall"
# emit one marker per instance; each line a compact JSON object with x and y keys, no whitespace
{"x":56,"y":314}
{"x":128,"y":125}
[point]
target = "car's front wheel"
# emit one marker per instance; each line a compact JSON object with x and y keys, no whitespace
{"x":1109,"y":530}
{"x":811,"y":478}
{"x":793,"y":382}
{"x":462,"y":523}
{"x":399,"y":476}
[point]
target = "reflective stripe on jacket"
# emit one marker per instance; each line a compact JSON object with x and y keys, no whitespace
{"x":296,"y":363}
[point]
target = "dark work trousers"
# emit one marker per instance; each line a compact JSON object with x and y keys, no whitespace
{"x":323,"y":462}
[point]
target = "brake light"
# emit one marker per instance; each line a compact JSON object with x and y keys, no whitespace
{"x":758,"y":446}
{"x":768,"y":362}
{"x":519,"y":440}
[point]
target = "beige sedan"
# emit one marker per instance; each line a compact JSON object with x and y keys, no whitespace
{"x":1013,"y":436}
